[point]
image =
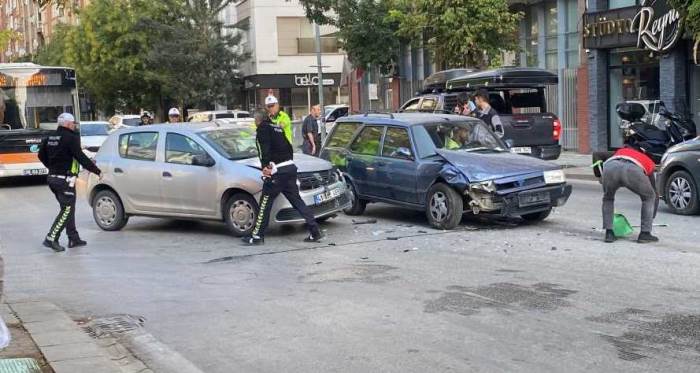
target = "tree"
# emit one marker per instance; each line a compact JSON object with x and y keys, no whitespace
{"x":458,"y":32}
{"x":364,"y":31}
{"x":6,"y":36}
{"x":690,"y":11}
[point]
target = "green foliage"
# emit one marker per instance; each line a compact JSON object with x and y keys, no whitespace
{"x":365,"y":33}
{"x":690,"y":10}
{"x":459,"y":32}
{"x":6,"y":36}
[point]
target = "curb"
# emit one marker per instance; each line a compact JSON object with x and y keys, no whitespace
{"x":65,"y":346}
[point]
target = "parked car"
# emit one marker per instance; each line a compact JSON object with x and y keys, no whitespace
{"x":199,"y":171}
{"x":127,"y":120}
{"x":333,"y":113}
{"x":519,"y":95}
{"x":442,"y":164}
{"x":92,"y":136}
{"x":208,"y":116}
{"x":679,"y":178}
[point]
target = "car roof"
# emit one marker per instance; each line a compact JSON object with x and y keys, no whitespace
{"x":405,"y":119}
{"x":184,"y":127}
{"x":335,"y":106}
{"x":93,"y":122}
{"x":219,"y":112}
{"x":128,"y":116}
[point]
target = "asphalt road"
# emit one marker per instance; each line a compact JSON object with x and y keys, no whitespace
{"x":394,"y":296}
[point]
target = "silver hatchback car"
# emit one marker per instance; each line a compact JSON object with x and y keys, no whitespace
{"x":199,"y":171}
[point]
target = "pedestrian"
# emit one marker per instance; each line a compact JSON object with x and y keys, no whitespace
{"x":631,"y":168}
{"x":279,"y":117}
{"x":487,"y":113}
{"x":279,"y":175}
{"x":145,"y":119}
{"x":62,"y":155}
{"x":465,"y":106}
{"x":310,"y":132}
{"x":174,"y":115}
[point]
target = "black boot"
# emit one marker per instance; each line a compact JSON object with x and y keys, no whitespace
{"x":253,"y":240}
{"x":647,"y":237}
{"x":314,"y":236}
{"x":54,"y":245}
{"x":76,"y":242}
{"x":610,"y":236}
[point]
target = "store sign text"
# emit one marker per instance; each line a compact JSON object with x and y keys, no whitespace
{"x":308,"y":81}
{"x":660,"y":34}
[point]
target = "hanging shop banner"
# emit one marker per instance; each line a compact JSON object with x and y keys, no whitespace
{"x":654,"y":26}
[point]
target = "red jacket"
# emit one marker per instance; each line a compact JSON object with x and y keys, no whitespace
{"x":640,"y":159}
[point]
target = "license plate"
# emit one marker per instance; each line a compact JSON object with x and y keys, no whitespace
{"x":327,"y":196}
{"x":35,"y":172}
{"x":522,"y":150}
{"x":530,"y":199}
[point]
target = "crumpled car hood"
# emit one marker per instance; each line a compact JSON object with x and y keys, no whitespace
{"x":491,"y":166}
{"x":304,"y":163}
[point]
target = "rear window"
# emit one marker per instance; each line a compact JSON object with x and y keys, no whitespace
{"x":527,"y":101}
{"x":243,"y":115}
{"x":342,"y":135}
{"x":131,"y":122}
{"x":140,"y":146}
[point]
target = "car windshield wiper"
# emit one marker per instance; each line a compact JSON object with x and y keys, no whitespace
{"x":479,"y":149}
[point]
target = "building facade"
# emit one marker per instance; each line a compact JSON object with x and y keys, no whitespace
{"x":281,"y":41}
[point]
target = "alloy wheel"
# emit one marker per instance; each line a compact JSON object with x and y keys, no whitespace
{"x":438,"y":206}
{"x":680,"y":192}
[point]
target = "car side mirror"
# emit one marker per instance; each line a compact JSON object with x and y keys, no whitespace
{"x":509,"y":143}
{"x":403,"y":153}
{"x":203,"y":160}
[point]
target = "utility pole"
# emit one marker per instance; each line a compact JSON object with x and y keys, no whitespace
{"x":320,"y":82}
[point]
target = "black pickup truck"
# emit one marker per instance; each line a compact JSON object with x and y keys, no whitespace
{"x":519,"y":95}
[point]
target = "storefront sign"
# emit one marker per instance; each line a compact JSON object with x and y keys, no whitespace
{"x":657,"y":25}
{"x":654,"y":26}
{"x":308,"y":80}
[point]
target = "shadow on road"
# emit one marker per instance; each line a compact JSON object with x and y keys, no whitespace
{"x":22,"y":181}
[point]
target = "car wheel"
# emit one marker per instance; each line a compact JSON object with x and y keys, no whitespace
{"x":240,"y":213}
{"x":536,"y":217}
{"x":108,"y":211}
{"x":445,"y":207}
{"x":358,"y":205}
{"x":682,"y":193}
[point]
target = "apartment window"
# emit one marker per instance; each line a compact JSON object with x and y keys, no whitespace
{"x":532,"y":32}
{"x":572,"y":34}
{"x":295,"y":35}
{"x":551,"y":25}
{"x":621,"y":3}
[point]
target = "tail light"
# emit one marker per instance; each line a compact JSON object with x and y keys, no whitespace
{"x":556,"y":130}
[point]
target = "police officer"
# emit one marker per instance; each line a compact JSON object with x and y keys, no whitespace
{"x":174,"y":115}
{"x":279,"y":117}
{"x":61,"y":154}
{"x":280,"y":176}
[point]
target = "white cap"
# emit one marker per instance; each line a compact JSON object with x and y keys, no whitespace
{"x":270,"y":100}
{"x":65,"y":117}
{"x":173,"y":111}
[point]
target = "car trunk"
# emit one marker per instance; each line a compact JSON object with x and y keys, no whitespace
{"x":529,"y":129}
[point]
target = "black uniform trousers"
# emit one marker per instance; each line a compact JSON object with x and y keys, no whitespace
{"x":284,"y":182}
{"x":63,"y":187}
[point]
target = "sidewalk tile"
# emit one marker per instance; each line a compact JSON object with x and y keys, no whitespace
{"x":60,"y":338}
{"x":71,"y":351}
{"x":89,"y":365}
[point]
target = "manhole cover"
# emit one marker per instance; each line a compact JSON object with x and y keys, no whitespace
{"x":19,"y":366}
{"x":113,"y":325}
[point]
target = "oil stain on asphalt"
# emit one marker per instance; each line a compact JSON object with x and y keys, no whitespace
{"x":367,"y":273}
{"x":501,"y":296}
{"x":650,"y":334}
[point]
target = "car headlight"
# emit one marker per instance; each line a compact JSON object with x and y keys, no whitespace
{"x":554,"y":177}
{"x":484,"y":186}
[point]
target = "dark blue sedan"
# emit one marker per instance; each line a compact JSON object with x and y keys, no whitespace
{"x":445,"y":165}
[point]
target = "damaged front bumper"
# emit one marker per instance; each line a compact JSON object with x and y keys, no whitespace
{"x":520,"y":202}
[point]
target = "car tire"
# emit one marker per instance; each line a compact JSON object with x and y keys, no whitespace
{"x":358,"y":205}
{"x":444,"y":207}
{"x":108,"y":211}
{"x":681,"y":194}
{"x":536,"y":217}
{"x":240,"y":212}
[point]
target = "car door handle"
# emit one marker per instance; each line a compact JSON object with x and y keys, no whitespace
{"x":167,"y":174}
{"x":118,"y":171}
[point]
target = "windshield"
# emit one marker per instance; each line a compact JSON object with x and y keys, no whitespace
{"x":463,"y":136}
{"x":94,"y":129}
{"x":133,"y":122}
{"x":232,"y":143}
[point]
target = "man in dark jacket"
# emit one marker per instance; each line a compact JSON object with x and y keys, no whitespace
{"x":487,"y":113}
{"x":309,"y":130}
{"x":280,"y":176}
{"x":62,"y":155}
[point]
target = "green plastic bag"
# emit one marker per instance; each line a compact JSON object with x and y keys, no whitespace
{"x":621,"y":226}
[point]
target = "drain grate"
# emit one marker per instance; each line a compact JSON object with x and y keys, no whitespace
{"x":25,"y":365}
{"x":113,"y":325}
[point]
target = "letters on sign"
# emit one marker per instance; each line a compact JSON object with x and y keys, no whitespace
{"x":657,"y":32}
{"x":307,"y":80}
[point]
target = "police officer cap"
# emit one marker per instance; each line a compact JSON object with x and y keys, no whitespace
{"x":270,"y":100}
{"x":65,"y":117}
{"x":173,"y":111}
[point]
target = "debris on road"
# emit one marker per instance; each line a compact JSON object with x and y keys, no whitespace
{"x":318,"y":262}
{"x":411,"y":249}
{"x":377,"y":233}
{"x":366,"y":221}
{"x":554,"y":248}
{"x":364,"y":258}
{"x":393,"y":238}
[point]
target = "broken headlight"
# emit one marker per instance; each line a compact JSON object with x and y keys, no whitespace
{"x":483,"y":186}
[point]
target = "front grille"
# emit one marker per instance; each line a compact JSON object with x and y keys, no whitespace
{"x":313,"y":180}
{"x":324,"y":208}
{"x":521,"y":183}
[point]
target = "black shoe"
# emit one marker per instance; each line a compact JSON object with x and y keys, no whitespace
{"x":253,"y":240}
{"x":76,"y":243}
{"x":314,"y":238}
{"x":54,"y":245}
{"x":647,"y":237}
{"x":610,"y":236}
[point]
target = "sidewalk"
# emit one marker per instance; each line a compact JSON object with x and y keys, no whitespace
{"x":576,"y":166}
